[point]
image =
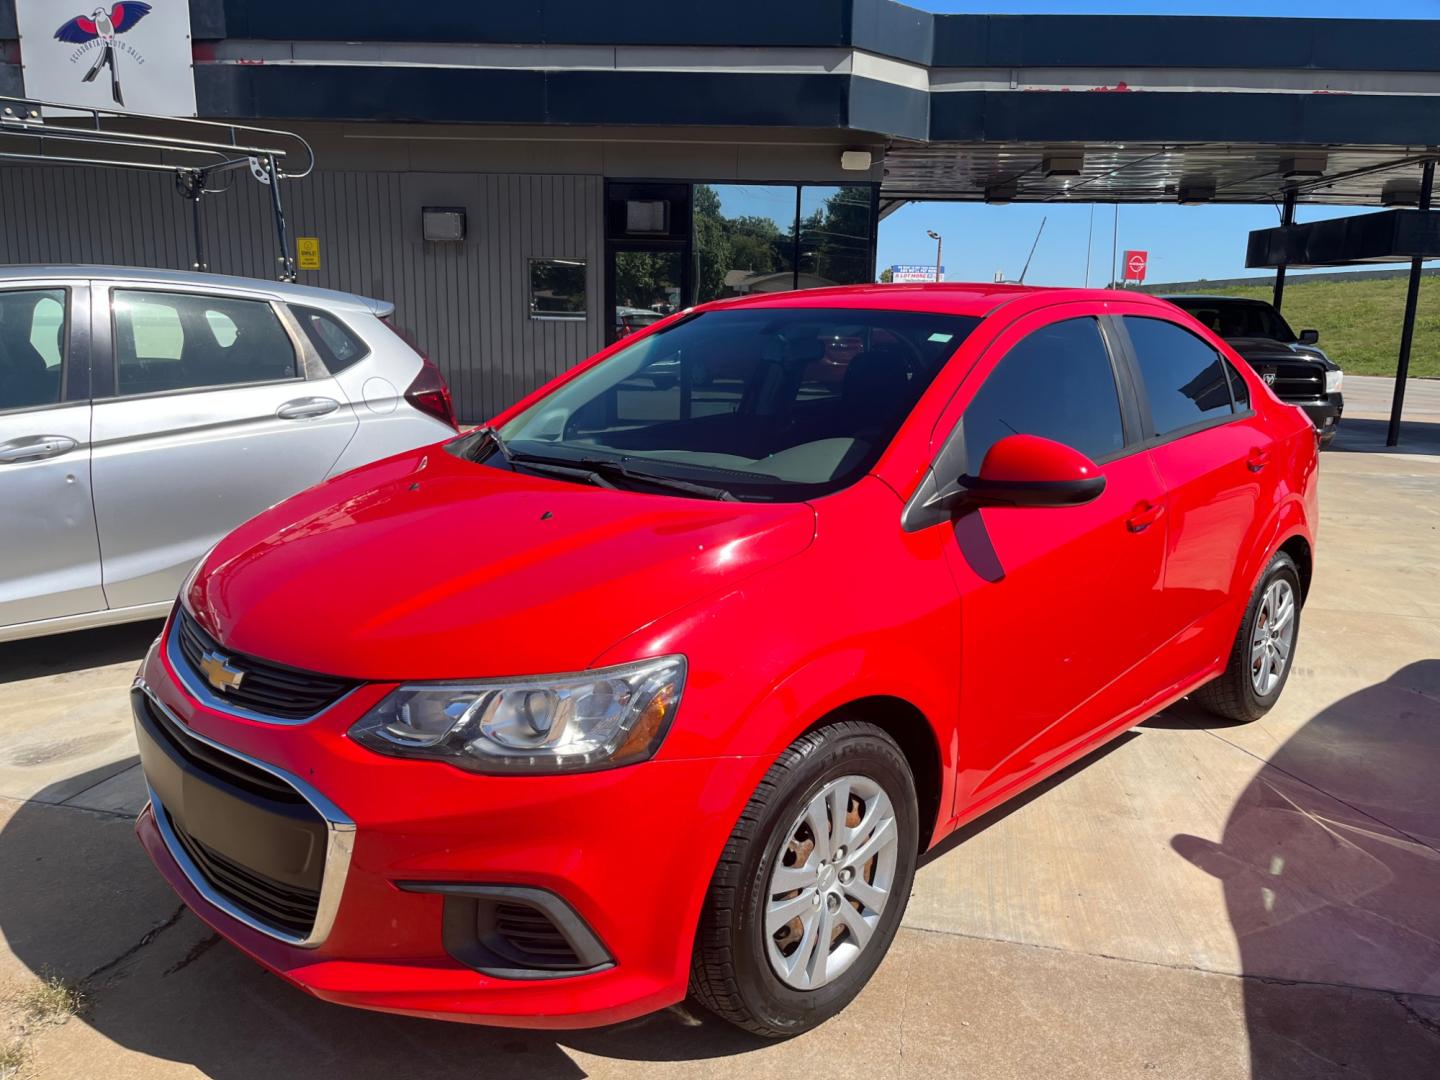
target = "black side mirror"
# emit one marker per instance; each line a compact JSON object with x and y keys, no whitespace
{"x":1309,"y":337}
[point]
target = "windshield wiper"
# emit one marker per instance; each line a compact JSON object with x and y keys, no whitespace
{"x":617,"y":467}
{"x":537,"y":463}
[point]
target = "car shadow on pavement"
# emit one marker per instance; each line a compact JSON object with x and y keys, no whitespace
{"x":59,"y":654}
{"x":81,"y":901}
{"x":1366,"y":436}
{"x":1330,"y":865}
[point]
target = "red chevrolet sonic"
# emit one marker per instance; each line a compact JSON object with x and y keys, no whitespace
{"x":665,"y":678}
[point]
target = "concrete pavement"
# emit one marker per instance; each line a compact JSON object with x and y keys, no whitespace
{"x":1194,"y":900}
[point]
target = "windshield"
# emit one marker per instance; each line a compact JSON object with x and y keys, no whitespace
{"x":1238,"y":318}
{"x":757,"y":403}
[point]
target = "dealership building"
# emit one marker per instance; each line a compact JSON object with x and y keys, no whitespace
{"x":527,"y":182}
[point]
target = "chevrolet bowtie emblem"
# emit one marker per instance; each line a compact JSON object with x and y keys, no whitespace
{"x":218,"y":672}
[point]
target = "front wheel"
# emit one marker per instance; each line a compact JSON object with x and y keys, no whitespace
{"x":812,"y":884}
{"x":1261,"y":656}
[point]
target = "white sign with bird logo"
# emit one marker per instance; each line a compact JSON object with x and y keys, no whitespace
{"x":126,"y":56}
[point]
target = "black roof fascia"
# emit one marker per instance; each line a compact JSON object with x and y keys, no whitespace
{"x":1382,"y":237}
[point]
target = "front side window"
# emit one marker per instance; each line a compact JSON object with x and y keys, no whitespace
{"x":766,"y":404}
{"x":1184,"y":378}
{"x":1056,"y":383}
{"x":188,"y":341}
{"x":32,"y":347}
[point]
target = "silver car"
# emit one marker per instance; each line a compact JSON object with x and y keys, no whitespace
{"x":145,"y":413}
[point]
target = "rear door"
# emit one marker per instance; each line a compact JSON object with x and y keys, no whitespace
{"x":49,"y":557}
{"x":211,"y":411}
{"x":1212,"y":453}
{"x":1055,"y":600}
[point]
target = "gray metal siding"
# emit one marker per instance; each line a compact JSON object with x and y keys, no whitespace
{"x":465,"y":304}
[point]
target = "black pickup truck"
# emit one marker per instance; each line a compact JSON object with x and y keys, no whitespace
{"x":1292,"y":365}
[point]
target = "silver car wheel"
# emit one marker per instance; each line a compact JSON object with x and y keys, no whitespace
{"x":1273,"y":636}
{"x":832,"y":879}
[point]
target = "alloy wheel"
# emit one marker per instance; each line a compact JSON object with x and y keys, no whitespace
{"x":1273,"y":636}
{"x":832,"y":879}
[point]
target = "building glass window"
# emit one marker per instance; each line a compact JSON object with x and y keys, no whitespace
{"x":744,"y":239}
{"x":557,"y":288}
{"x":835,"y":228}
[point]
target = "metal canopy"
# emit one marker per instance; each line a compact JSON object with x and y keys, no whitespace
{"x":1148,"y":172}
{"x":194,"y":151}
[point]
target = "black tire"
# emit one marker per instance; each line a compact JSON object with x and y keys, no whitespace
{"x":731,"y":973}
{"x":1232,"y":694}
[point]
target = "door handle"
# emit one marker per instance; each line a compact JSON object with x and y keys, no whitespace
{"x":35,"y":448}
{"x":1144,"y":515}
{"x":306,"y":407}
{"x":1257,"y":460}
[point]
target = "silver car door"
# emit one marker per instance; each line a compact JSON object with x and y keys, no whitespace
{"x":49,"y":557}
{"x":212,"y":413}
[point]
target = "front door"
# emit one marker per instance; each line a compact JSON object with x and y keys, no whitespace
{"x":209,"y":419}
{"x":1054,"y":600}
{"x":49,"y":558}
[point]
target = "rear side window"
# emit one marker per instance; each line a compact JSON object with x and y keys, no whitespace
{"x":333,"y":340}
{"x":1056,"y":383}
{"x":189,"y":341}
{"x":32,"y":347}
{"x":1238,"y":390}
{"x":1184,"y":377}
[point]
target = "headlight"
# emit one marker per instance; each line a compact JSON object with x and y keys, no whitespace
{"x":562,"y":723}
{"x":1333,"y":379}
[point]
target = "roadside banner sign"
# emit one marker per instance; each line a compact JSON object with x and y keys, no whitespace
{"x":1135,"y":263}
{"x":914,"y":273}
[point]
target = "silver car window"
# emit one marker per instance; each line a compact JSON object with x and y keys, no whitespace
{"x":190,"y":341}
{"x":32,"y":347}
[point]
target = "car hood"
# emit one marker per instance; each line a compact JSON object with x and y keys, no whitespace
{"x":1269,"y":349}
{"x":425,"y":566}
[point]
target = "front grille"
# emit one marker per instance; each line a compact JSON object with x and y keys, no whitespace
{"x":526,"y":935}
{"x":267,"y":688}
{"x":224,"y":766}
{"x":1294,"y":381}
{"x":290,"y":908}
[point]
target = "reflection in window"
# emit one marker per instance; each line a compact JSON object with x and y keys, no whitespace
{"x":744,"y":239}
{"x":1184,"y":378}
{"x":647,"y":288}
{"x":834,"y":236}
{"x":32,"y":332}
{"x":557,"y":288}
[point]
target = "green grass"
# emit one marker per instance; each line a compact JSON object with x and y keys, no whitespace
{"x":1359,"y":321}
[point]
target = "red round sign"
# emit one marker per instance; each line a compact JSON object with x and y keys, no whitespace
{"x":1137,"y":264}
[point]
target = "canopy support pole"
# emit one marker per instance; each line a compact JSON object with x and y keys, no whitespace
{"x":1287,"y":217}
{"x":1407,"y":325}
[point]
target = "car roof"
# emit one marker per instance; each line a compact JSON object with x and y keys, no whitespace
{"x":1205,"y":298}
{"x":328,"y":298}
{"x":953,"y":298}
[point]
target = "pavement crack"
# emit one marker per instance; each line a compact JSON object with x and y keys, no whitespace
{"x":149,"y":936}
{"x":1433,"y":1027}
{"x":199,"y":949}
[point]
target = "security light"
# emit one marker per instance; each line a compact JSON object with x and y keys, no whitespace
{"x":1303,"y":165}
{"x":1400,"y":193}
{"x":442,"y":224}
{"x":1002,"y":193}
{"x":1196,"y":191}
{"x":856,"y":160}
{"x":1066,"y":163}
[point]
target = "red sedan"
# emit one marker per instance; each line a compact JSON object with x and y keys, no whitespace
{"x":665,"y":684}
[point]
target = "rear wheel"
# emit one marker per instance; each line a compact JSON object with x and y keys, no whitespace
{"x":1260,"y":659}
{"x":811,"y":887}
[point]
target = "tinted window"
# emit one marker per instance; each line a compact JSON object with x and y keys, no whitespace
{"x":337,"y":346}
{"x":557,"y":288}
{"x":1184,"y":377}
{"x":187,"y":341}
{"x":1056,"y":383}
{"x":765,"y":403}
{"x":1238,"y":390}
{"x":32,"y":347}
{"x":1237,"y":318}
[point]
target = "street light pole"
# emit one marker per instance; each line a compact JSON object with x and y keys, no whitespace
{"x":938,"y":246}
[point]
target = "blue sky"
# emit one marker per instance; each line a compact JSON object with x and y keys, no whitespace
{"x":1185,"y":242}
{"x":1315,"y":9}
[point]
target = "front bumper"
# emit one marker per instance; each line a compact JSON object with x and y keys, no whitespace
{"x":1325,"y":414}
{"x":628,"y":852}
